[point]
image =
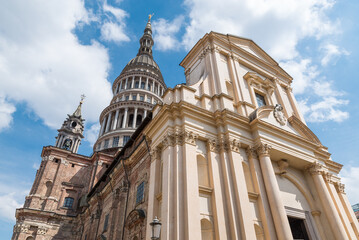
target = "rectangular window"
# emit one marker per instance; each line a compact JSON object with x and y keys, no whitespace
{"x":149,"y":99}
{"x":142,"y":85}
{"x":105,"y":224}
{"x":297,"y":226}
{"x":106,"y":143}
{"x":140,"y":191}
{"x":142,"y":98}
{"x":115,"y":141}
{"x":127,"y":97}
{"x":137,"y":84}
{"x":260,"y":100}
{"x":68,"y":202}
{"x":134,"y":97}
{"x":125,"y":139}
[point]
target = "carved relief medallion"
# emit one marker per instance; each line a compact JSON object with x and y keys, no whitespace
{"x":279,"y":115}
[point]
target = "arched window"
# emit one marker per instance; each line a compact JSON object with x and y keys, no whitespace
{"x":69,"y":201}
{"x":48,"y":188}
{"x":206,"y":230}
{"x":130,"y":120}
{"x":138,"y":120}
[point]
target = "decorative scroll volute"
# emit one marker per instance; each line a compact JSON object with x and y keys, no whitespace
{"x":190,"y":137}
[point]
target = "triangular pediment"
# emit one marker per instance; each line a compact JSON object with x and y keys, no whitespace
{"x":251,"y":48}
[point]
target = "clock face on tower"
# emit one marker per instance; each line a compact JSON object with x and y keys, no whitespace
{"x":67,"y":144}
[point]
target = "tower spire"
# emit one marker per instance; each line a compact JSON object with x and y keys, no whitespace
{"x":146,"y":41}
{"x":77,"y":112}
{"x":71,"y":131}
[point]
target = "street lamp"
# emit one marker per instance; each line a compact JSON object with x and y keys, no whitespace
{"x":156,"y":229}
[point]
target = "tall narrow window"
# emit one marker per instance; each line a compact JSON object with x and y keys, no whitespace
{"x":106,"y":143}
{"x":125,"y":139}
{"x":260,"y":100}
{"x":140,"y":191}
{"x":137,"y":84}
{"x":105,"y":224}
{"x":142,"y":85}
{"x":115,"y":141}
{"x":68,"y":202}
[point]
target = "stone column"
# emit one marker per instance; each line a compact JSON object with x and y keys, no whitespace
{"x":153,"y":86}
{"x":192,"y":221}
{"x":133,"y":82}
{"x":340,"y":208}
{"x":126,"y":83}
{"x":167,"y":190}
{"x":316,"y":170}
{"x":116,"y":89}
{"x":144,"y":113}
{"x":139,"y":83}
{"x":59,"y":140}
{"x":124,"y":122}
{"x":258,"y":185}
{"x":153,"y":185}
{"x":108,"y":122}
{"x":275,"y":201}
{"x":115,"y":120}
{"x":146,"y":86}
{"x":348,"y":209}
{"x":120,"y":88}
{"x":134,"y":118}
{"x":102,"y":127}
{"x":243,"y":207}
{"x":220,"y":224}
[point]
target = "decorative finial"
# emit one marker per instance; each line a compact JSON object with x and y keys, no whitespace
{"x":82,"y":98}
{"x":150,"y":16}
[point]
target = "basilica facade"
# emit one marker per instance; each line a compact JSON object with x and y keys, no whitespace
{"x":227,"y":155}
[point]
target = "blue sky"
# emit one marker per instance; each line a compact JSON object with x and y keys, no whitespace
{"x":51,"y":52}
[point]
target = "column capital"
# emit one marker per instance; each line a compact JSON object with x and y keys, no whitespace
{"x":328,"y":177}
{"x":315,"y":168}
{"x":340,"y":187}
{"x":234,"y":145}
{"x":263,"y":149}
{"x":251,"y":152}
{"x":156,"y":153}
{"x":213,"y":145}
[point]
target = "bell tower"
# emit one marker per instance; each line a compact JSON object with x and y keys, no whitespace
{"x":71,"y":131}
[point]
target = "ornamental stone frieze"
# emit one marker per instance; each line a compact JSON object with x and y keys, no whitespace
{"x":41,"y":231}
{"x":21,"y":228}
{"x":178,"y":138}
{"x":224,"y":144}
{"x":263,"y":149}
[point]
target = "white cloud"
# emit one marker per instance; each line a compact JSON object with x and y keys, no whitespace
{"x":276,"y":25}
{"x":43,"y":64}
{"x":113,"y":32}
{"x":8,"y":203}
{"x":350,"y":177}
{"x":113,"y":28}
{"x":91,"y":133}
{"x":165,"y":33}
{"x":119,"y":13}
{"x":6,"y":111}
{"x":332,"y":53}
